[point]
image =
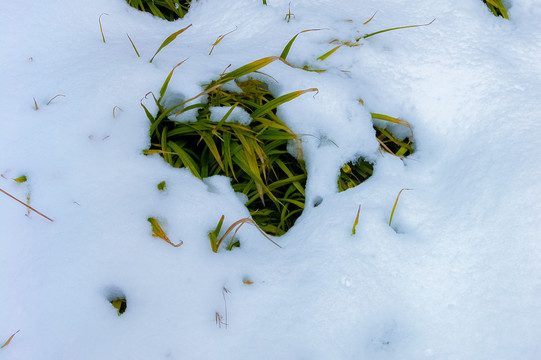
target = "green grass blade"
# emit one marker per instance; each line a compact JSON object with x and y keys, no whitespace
{"x":247,"y":69}
{"x":169,"y":39}
{"x":209,"y":140}
{"x":329,"y":53}
{"x":391,"y":29}
{"x":186,"y":159}
{"x":285,"y":52}
{"x":279,"y":101}
{"x":166,"y":82}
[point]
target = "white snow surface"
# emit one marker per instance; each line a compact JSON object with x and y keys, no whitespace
{"x":457,"y":276}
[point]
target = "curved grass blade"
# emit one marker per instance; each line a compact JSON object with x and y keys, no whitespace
{"x":166,"y":82}
{"x":285,"y":52}
{"x":394,"y":206}
{"x":9,"y":340}
{"x":279,"y":101}
{"x":101,"y":28}
{"x":391,"y":29}
{"x":169,"y":39}
{"x":237,"y":225}
{"x":158,"y":232}
{"x":367,"y":21}
{"x":247,"y":69}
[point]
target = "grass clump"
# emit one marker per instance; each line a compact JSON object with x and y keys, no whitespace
{"x":166,"y":9}
{"x":254,"y":155}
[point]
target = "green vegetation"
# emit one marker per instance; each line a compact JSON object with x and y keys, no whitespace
{"x":166,"y":9}
{"x":497,"y":8}
{"x":254,"y":155}
{"x":355,"y":172}
{"x":119,"y":304}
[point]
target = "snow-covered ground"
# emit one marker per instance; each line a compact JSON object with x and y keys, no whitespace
{"x":457,"y":276}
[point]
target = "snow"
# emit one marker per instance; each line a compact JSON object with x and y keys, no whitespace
{"x":457,"y":276}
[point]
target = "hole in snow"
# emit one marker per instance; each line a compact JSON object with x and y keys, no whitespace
{"x":353,"y":173}
{"x":117,"y":298}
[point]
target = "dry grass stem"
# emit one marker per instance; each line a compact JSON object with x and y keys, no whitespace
{"x":28,"y":206}
{"x":54,"y":97}
{"x":9,"y":340}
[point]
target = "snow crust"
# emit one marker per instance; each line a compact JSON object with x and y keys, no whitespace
{"x":457,"y":276}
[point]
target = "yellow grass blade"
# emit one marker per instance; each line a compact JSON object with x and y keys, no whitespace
{"x":158,"y":232}
{"x":356,"y":220}
{"x":329,"y":53}
{"x":169,"y":39}
{"x":132,"y":44}
{"x":20,"y":179}
{"x":220,"y":38}
{"x":367,"y":21}
{"x":394,"y":206}
{"x":101,"y":28}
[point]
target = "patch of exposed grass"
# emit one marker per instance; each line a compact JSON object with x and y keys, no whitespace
{"x":166,"y":9}
{"x":355,"y":172}
{"x":254,"y":155}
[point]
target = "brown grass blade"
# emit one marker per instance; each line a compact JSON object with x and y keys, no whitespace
{"x":237,"y":225}
{"x":54,"y":97}
{"x":9,"y":340}
{"x":28,"y":206}
{"x":367,"y":21}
